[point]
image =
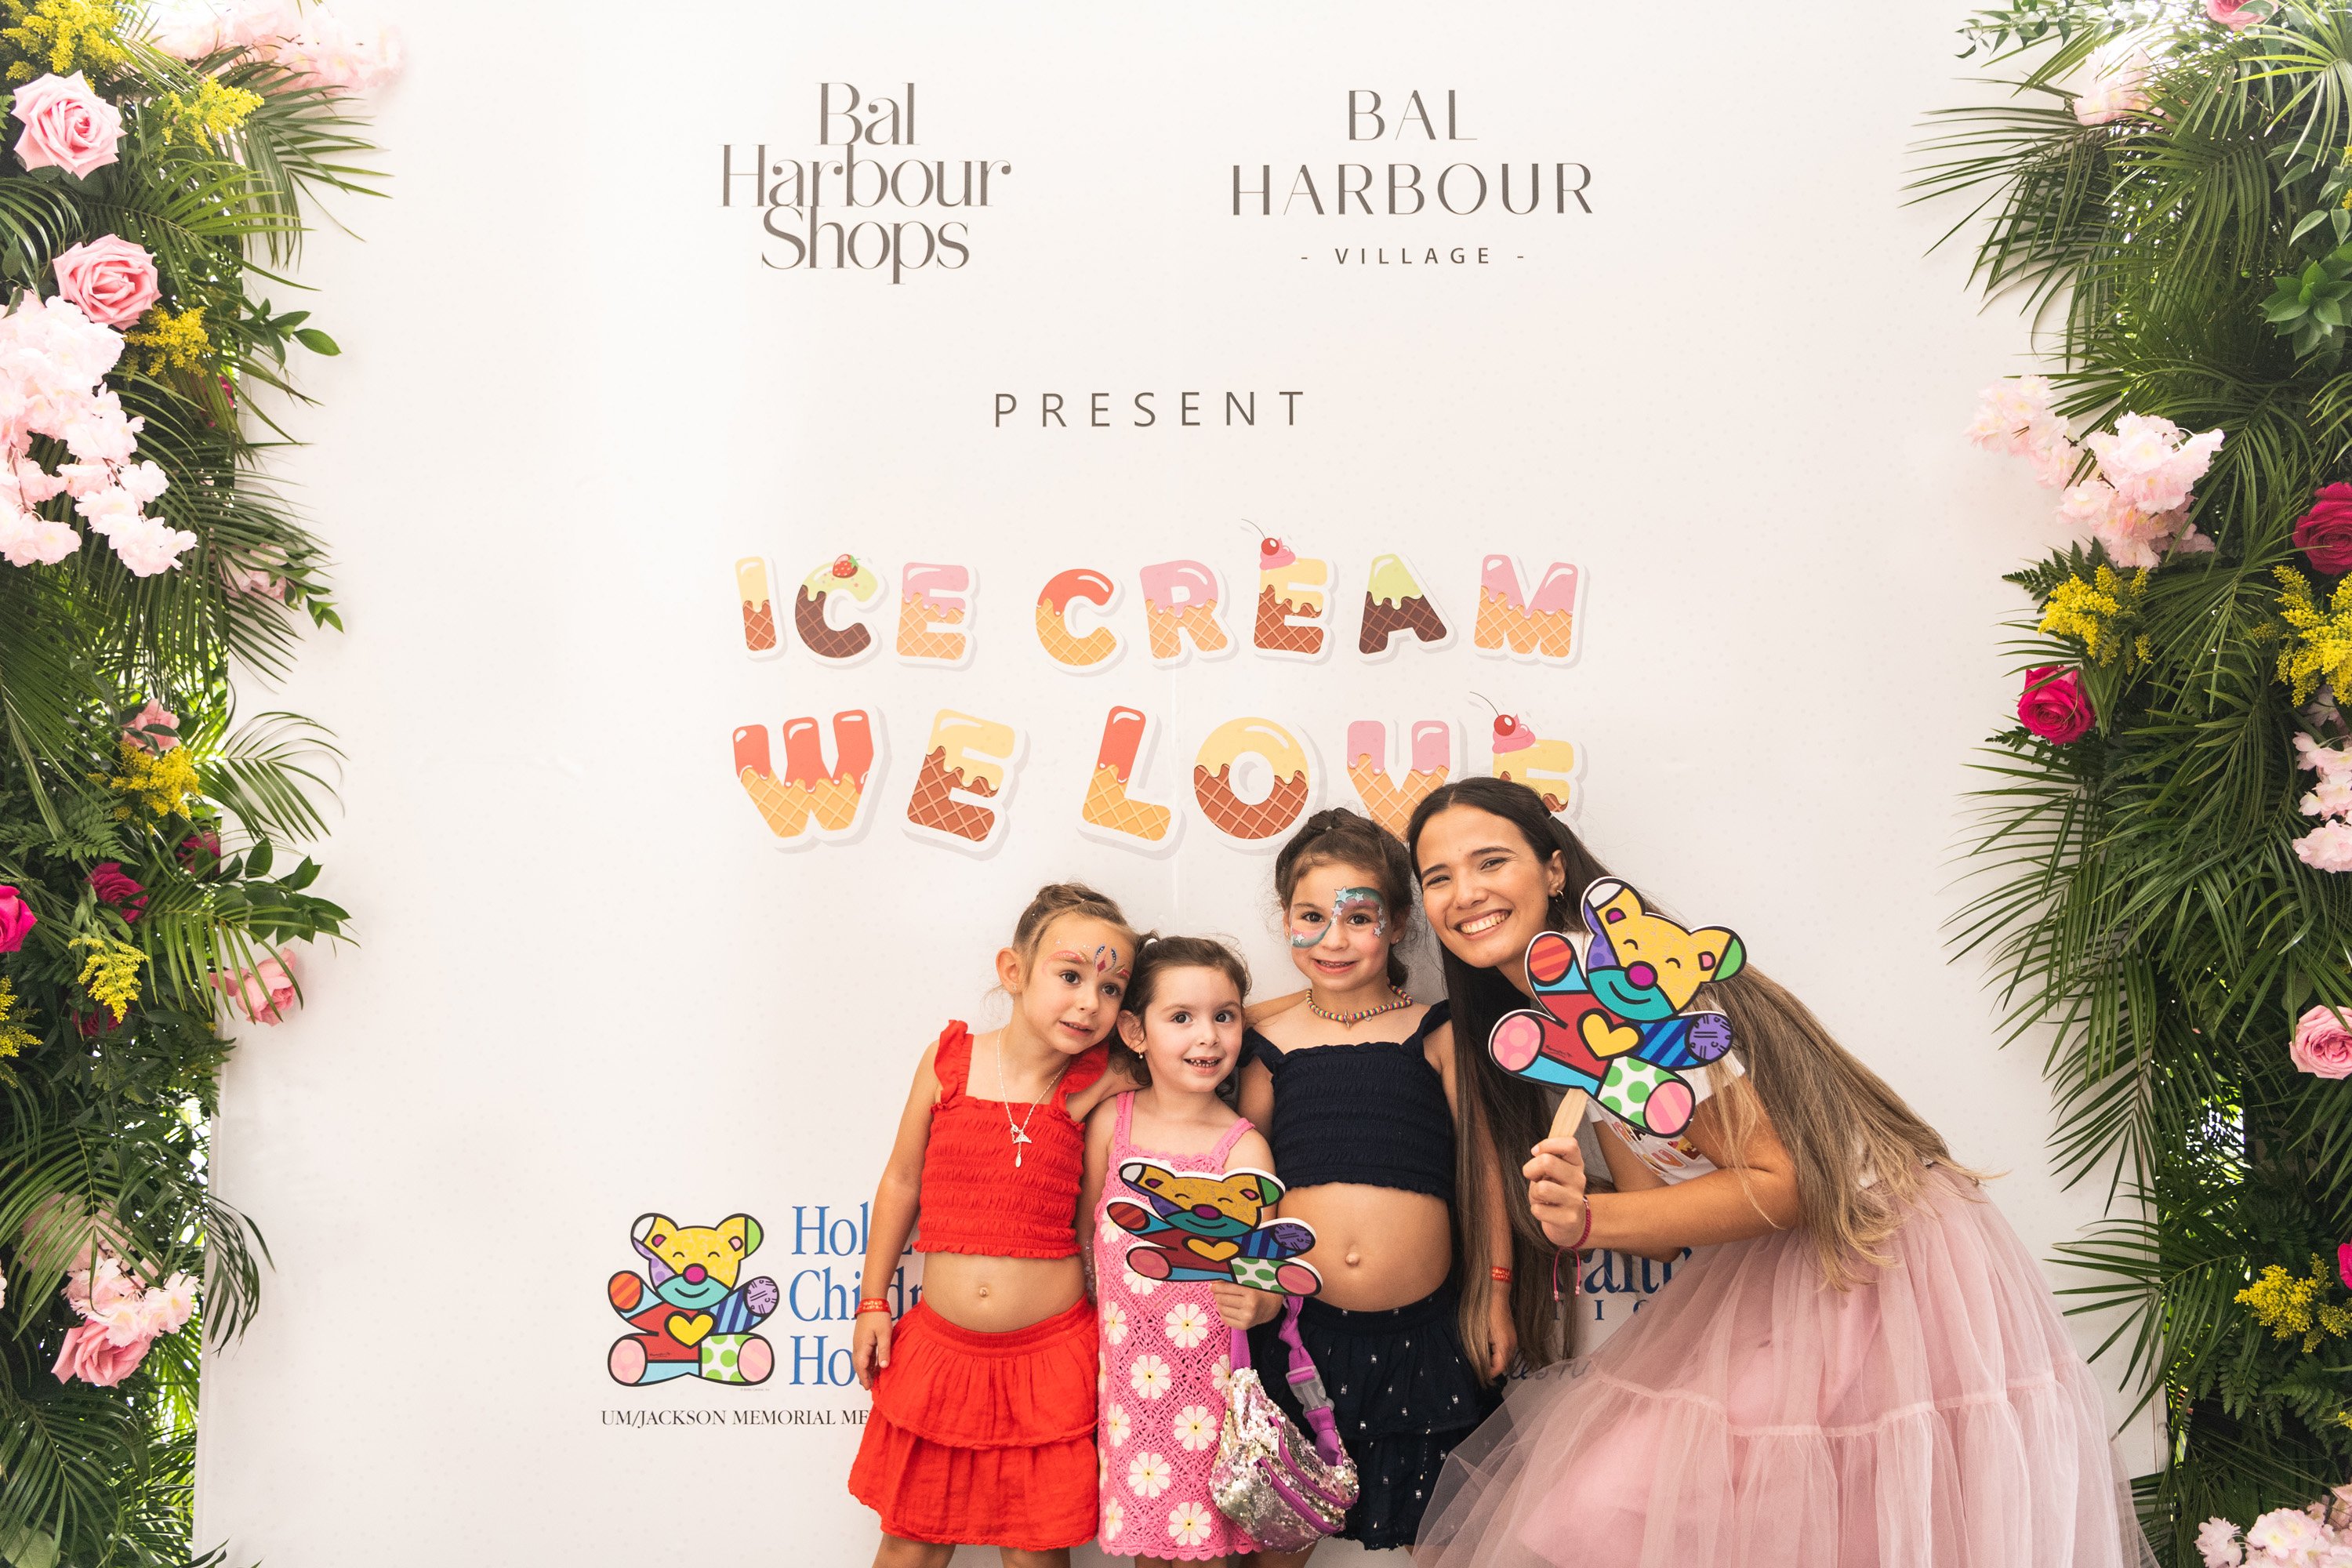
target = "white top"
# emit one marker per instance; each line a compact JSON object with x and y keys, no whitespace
{"x":1672,"y":1160}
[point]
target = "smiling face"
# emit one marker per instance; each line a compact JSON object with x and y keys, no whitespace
{"x":1487,"y":890}
{"x":694,"y":1265}
{"x":1070,"y":991}
{"x":1189,"y":1033}
{"x":1340,"y":928}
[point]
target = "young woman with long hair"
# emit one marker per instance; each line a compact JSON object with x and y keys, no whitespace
{"x":1862,"y":1365}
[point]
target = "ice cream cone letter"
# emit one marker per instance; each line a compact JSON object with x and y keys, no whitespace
{"x":1290,"y":604}
{"x":759,"y":608}
{"x":1386,"y":801}
{"x":934,"y":608}
{"x":967,"y":764}
{"x":1547,"y":767}
{"x":1180,"y":603}
{"x":1539,"y":627}
{"x":1063,"y":644}
{"x":844,"y":581}
{"x":1214,"y":781}
{"x":1394,"y":600}
{"x":1110,"y":813}
{"x":811,"y":802}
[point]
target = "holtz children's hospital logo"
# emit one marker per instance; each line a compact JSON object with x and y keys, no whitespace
{"x":854,"y":206}
{"x":691,"y":1318}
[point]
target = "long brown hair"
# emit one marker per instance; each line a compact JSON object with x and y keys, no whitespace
{"x":1496,"y":1114}
{"x":1838,"y":1120}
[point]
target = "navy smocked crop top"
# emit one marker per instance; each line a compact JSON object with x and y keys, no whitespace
{"x":1371,"y":1112}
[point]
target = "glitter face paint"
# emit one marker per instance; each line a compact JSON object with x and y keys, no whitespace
{"x":1344,"y":900}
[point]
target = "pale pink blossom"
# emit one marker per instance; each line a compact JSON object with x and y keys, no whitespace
{"x":252,"y":582}
{"x":2329,"y":797}
{"x":2013,"y":414}
{"x":2326,"y":848}
{"x":145,"y":481}
{"x":29,"y":541}
{"x":263,"y":993}
{"x":109,"y":277}
{"x":2285,"y":1532}
{"x":67,"y":125}
{"x":2238,"y":15}
{"x":2327,"y":761}
{"x":145,"y":544}
{"x":2118,"y":84}
{"x":2217,"y":1543}
{"x":2151,"y":463}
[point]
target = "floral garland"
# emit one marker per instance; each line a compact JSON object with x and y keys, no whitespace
{"x":157,"y":158}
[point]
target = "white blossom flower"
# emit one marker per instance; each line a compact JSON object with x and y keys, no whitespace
{"x":1188,"y":1325}
{"x":1116,"y":1425}
{"x":1149,"y":1475}
{"x":1114,"y":1322}
{"x":1149,"y":1376}
{"x":1195,"y":1427}
{"x":1190,"y":1523}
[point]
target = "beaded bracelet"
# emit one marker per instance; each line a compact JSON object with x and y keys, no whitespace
{"x":1499,"y":1274}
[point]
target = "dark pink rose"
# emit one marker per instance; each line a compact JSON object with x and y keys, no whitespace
{"x":2343,"y":1264}
{"x":17,"y":918}
{"x":203,"y":843}
{"x":114,"y":886}
{"x":2324,"y":532}
{"x":2053,"y":705}
{"x":90,"y":1356}
{"x":2322,"y":1044}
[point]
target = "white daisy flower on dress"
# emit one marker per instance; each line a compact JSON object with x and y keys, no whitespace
{"x":1221,"y":1376}
{"x":1188,"y":1324}
{"x":1137,"y":1285}
{"x":1150,"y":1376}
{"x":1114,"y":1322}
{"x":1189,"y":1523}
{"x":1196,"y":1428}
{"x":1149,"y":1475}
{"x":1116,"y":1425}
{"x":1114,"y":1515}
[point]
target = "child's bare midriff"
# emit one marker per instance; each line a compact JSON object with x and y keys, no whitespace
{"x":997,"y":1294}
{"x":1376,"y":1247}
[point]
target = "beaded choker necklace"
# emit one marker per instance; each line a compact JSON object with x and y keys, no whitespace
{"x":1398,"y":999}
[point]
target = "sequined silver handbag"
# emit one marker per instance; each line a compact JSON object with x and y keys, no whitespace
{"x":1287,"y":1493}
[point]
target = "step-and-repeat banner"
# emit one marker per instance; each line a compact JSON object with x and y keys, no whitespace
{"x":802,"y":480}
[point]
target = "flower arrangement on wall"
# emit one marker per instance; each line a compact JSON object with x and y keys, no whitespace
{"x":158,"y":162}
{"x":2166,"y":192}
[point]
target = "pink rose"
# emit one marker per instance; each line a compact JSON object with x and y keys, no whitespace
{"x":154,"y":727}
{"x":2053,"y":705}
{"x":66,"y":126}
{"x":2343,"y":1264}
{"x":265,"y":991}
{"x":202,"y":845}
{"x":2237,"y":15}
{"x":114,"y":886}
{"x":2323,"y":1044}
{"x":90,"y":1355}
{"x":110,"y":278}
{"x":17,"y":918}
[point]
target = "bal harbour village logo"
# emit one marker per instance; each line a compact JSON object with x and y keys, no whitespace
{"x":866,"y":201}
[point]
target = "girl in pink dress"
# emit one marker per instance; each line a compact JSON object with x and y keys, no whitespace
{"x":1165,"y":1348}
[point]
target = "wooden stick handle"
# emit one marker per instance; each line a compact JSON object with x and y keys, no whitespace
{"x":1570,"y":1115}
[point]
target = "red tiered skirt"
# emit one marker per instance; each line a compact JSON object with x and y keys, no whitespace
{"x":982,"y":1440}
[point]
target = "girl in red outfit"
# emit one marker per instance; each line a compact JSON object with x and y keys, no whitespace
{"x":982,"y":1431}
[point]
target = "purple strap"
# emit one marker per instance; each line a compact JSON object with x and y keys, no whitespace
{"x":1306,"y":1383}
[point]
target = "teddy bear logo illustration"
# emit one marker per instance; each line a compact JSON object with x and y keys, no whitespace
{"x":691,"y":1318}
{"x":1194,"y":1225}
{"x":1613,"y":1024}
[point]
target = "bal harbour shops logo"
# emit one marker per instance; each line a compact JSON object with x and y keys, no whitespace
{"x":1425,"y":192}
{"x":887,"y":212}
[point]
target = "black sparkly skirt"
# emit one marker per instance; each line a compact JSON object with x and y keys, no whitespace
{"x":1403,"y":1392}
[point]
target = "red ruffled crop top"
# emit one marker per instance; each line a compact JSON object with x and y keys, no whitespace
{"x":974,"y":1198}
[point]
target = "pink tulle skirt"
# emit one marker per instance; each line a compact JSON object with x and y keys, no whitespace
{"x":1936,"y":1414}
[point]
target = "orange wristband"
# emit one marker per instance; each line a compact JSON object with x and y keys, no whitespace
{"x":1499,"y":1275}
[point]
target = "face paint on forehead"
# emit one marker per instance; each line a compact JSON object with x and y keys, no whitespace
{"x":1106,"y":962}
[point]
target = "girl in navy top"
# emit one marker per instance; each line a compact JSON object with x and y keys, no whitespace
{"x":1354,"y":1081}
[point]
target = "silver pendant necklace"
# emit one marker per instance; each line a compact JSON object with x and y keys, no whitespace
{"x":1021,"y":1133}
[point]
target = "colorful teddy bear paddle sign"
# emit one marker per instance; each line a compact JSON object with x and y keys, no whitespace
{"x":1196,"y":1226}
{"x":692,"y":1319}
{"x":1613,"y":1025}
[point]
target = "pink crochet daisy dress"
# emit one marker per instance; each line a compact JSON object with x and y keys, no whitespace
{"x":1166,"y":1362}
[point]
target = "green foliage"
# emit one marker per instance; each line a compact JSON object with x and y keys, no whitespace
{"x":2139,"y":889}
{"x":104,"y":1120}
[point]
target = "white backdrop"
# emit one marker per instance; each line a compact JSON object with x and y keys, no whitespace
{"x":590,"y":985}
